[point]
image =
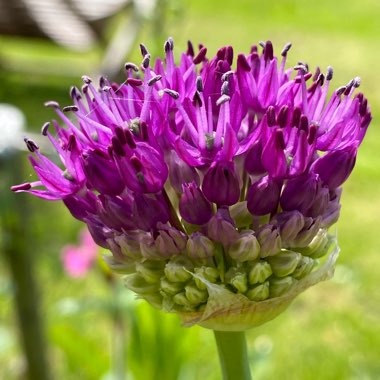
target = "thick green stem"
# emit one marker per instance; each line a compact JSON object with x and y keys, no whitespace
{"x":232,"y":349}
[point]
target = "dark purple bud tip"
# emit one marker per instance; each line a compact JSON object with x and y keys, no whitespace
{"x":172,"y":93}
{"x":129,"y":139}
{"x":51,"y":104}
{"x":44,"y":128}
{"x":86,"y":79}
{"x":296,"y":117}
{"x":225,"y":88}
{"x":282,"y":116}
{"x":190,"y":49}
{"x":146,"y":61}
{"x":70,"y":109}
{"x":131,"y":66}
{"x":117,"y":147}
{"x":22,"y":187}
{"x":31,"y":145}
{"x":226,"y":76}
{"x":280,"y":141}
{"x":136,"y":163}
{"x":312,"y":133}
{"x":223,"y":99}
{"x":263,"y":196}
{"x":242,"y":63}
{"x":330,"y":73}
{"x":144,"y":50}
{"x":134,"y":82}
{"x":119,"y":132}
{"x":271,"y":116}
{"x":154,"y":80}
{"x":199,"y":84}
{"x":286,"y":49}
{"x":200,"y":56}
{"x":197,"y":101}
{"x":268,"y":51}
{"x":304,"y":123}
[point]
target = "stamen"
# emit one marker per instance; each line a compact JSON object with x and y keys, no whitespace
{"x":23,"y":186}
{"x":243,"y":63}
{"x":44,"y":128}
{"x":340,"y":90}
{"x":31,"y":145}
{"x":74,"y":93}
{"x":169,"y":45}
{"x":154,"y":80}
{"x":268,"y":51}
{"x":146,"y":61}
{"x":172,"y":93}
{"x":131,"y":66}
{"x":129,"y":138}
{"x":86,"y":79}
{"x":200,"y":56}
{"x":197,"y":101}
{"x":119,"y":132}
{"x":144,"y":50}
{"x":225,"y":90}
{"x":301,"y":67}
{"x":271,"y":116}
{"x":117,"y":147}
{"x":70,"y":109}
{"x":312,"y":133}
{"x":199,"y":84}
{"x":102,"y":81}
{"x":330,"y":73}
{"x":51,"y":104}
{"x":223,"y":99}
{"x":296,"y":117}
{"x":279,"y":138}
{"x":190,"y":49}
{"x":144,"y":131}
{"x":286,"y":49}
{"x":226,"y":75}
{"x":304,"y":123}
{"x":282,"y":116}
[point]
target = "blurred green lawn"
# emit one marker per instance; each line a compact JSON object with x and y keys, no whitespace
{"x":330,"y":332}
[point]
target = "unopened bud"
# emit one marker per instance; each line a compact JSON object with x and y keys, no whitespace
{"x":304,"y":267}
{"x":279,"y":286}
{"x":245,"y":248}
{"x":259,"y":272}
{"x":181,"y":299}
{"x":259,"y":292}
{"x":238,"y":279}
{"x":151,"y":270}
{"x":195,"y":295}
{"x":200,"y":246}
{"x":306,"y":235}
{"x":269,"y":240}
{"x":284,"y":263}
{"x":319,"y":246}
{"x":221,"y":228}
{"x":177,"y":269}
{"x":290,"y":223}
{"x":139,"y":285}
{"x":209,"y":274}
{"x":240,"y":214}
{"x":170,"y":288}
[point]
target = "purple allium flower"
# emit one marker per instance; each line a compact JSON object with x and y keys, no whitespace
{"x":158,"y":166}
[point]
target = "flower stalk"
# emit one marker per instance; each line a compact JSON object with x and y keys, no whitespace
{"x":233,"y":357}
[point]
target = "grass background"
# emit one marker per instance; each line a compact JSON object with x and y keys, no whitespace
{"x":330,"y":332}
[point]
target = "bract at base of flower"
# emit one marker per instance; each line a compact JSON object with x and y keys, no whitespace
{"x":227,"y":311}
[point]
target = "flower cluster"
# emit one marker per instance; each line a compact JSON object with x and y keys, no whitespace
{"x":212,"y":184}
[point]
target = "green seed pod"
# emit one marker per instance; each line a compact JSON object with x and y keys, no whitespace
{"x":176,"y":270}
{"x":139,"y":285}
{"x":259,"y":292}
{"x":195,"y":296}
{"x":279,"y":286}
{"x":284,"y":263}
{"x":238,"y":279}
{"x":259,"y":272}
{"x":151,"y":270}
{"x":245,"y":248}
{"x":210,"y":274}
{"x":304,"y":267}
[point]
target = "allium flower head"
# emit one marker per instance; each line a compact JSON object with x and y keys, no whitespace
{"x":212,"y":183}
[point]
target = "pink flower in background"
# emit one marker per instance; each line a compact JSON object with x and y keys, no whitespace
{"x":78,"y":259}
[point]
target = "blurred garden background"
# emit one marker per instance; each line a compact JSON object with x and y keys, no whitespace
{"x":91,"y":324}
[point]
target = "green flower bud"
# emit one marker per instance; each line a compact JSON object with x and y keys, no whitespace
{"x":210,"y":274}
{"x":307,"y":234}
{"x":170,"y":288}
{"x":279,"y":286}
{"x":245,"y":248}
{"x":119,"y":267}
{"x":259,"y":272}
{"x":200,"y":246}
{"x":269,"y":240}
{"x":195,"y":296}
{"x":240,"y":214}
{"x":139,"y":285}
{"x":284,"y":263}
{"x":319,"y":246}
{"x":177,"y":269}
{"x":129,"y":247}
{"x":259,"y":292}
{"x":304,"y":267}
{"x":238,"y":279}
{"x":151,"y":270}
{"x":181,"y":299}
{"x":154,"y":299}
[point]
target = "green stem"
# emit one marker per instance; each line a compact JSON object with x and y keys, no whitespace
{"x":232,"y":349}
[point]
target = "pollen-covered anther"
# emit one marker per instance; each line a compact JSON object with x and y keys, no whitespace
{"x":131,"y":66}
{"x":31,"y":145}
{"x":330,"y":73}
{"x":51,"y":104}
{"x":146,"y":61}
{"x":172,"y":93}
{"x":70,"y":109}
{"x":223,"y":99}
{"x":286,"y":49}
{"x":44,"y":128}
{"x":86,"y":79}
{"x":154,"y":80}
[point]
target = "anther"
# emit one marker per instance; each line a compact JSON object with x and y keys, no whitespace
{"x":131,"y":66}
{"x":44,"y":128}
{"x":286,"y":49}
{"x":227,"y":75}
{"x":199,"y":84}
{"x":200,"y":56}
{"x":330,"y":73}
{"x":70,"y":109}
{"x":51,"y":104}
{"x":271,"y":116}
{"x":134,"y":82}
{"x":74,"y":93}
{"x":225,"y":88}
{"x":71,"y":143}
{"x":169,"y":44}
{"x":129,"y":138}
{"x":86,"y":79}
{"x":117,"y":147}
{"x":296,"y":117}
{"x":119,"y":132}
{"x":321,"y":79}
{"x":301,"y":67}
{"x":102,"y":81}
{"x":106,"y":88}
{"x":146,"y":61}
{"x":172,"y":93}
{"x":349,"y":87}
{"x":339,"y":91}
{"x":190,"y":49}
{"x":363,"y":107}
{"x":31,"y":145}
{"x":357,"y":81}
{"x":304,"y":123}
{"x":262,"y":44}
{"x":223,"y":99}
{"x":144,"y":50}
{"x":312,"y":133}
{"x":154,"y":80}
{"x":282,"y":116}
